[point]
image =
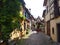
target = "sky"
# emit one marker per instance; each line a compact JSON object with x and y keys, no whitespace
{"x":36,"y":7}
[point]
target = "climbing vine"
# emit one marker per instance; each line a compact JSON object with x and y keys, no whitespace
{"x":9,"y":16}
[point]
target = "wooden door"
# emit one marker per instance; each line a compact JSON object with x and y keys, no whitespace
{"x":48,"y":28}
{"x":58,"y":31}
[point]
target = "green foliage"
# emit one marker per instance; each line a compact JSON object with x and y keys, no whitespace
{"x":9,"y":16}
{"x":22,"y":17}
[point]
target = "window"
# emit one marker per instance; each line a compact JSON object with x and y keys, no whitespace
{"x":25,"y":14}
{"x":47,"y":9}
{"x":51,"y":2}
{"x":24,"y":26}
{"x":59,"y":3}
{"x":51,"y":7}
{"x":53,"y":30}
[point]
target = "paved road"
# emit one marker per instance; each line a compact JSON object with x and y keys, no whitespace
{"x":39,"y":39}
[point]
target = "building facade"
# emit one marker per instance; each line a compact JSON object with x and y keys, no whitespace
{"x":32,"y":23}
{"x":40,"y":24}
{"x":27,"y":22}
{"x":52,"y":19}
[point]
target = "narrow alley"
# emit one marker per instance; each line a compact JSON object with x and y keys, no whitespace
{"x":38,"y":39}
{"x":29,"y":22}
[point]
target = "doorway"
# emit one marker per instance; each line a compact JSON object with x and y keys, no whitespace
{"x":58,"y":32}
{"x":48,"y":28}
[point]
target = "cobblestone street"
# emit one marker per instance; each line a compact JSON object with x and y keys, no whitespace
{"x":39,"y":39}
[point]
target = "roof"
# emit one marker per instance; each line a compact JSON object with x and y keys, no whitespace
{"x":45,"y":2}
{"x":31,"y":17}
{"x":27,"y":11}
{"x":38,"y":19}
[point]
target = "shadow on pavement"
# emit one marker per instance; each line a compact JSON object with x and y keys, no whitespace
{"x":36,"y":39}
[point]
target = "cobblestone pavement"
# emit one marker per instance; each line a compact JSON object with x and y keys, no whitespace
{"x":39,"y":39}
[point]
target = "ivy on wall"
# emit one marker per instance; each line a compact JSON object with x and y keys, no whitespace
{"x":9,"y":16}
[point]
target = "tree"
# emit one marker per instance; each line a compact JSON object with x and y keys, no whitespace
{"x":9,"y":16}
